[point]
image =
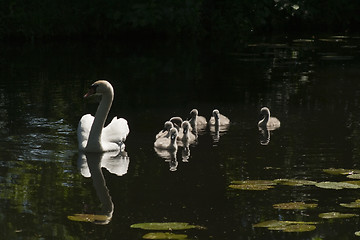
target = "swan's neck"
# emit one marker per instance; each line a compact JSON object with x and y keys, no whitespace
{"x":217,"y":120}
{"x":99,"y":121}
{"x":173,"y":143}
{"x":193,"y":121}
{"x":266,"y":118}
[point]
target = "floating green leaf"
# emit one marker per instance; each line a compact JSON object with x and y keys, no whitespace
{"x":254,"y":182}
{"x":357,"y":233}
{"x":295,"y":205}
{"x":294,"y":182}
{"x":341,"y":171}
{"x":252,"y":185}
{"x":354,"y":176}
{"x":355,"y":204}
{"x":287,"y":226}
{"x":330,"y":215}
{"x":164,"y":235}
{"x":299,"y":228}
{"x":87,"y":217}
{"x":353,"y":182}
{"x":336,"y":185}
{"x":169,"y":226}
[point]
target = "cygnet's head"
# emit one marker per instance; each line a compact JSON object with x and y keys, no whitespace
{"x":216,"y":113}
{"x":99,"y":87}
{"x":168,"y":125}
{"x":265,"y":111}
{"x":185,"y":126}
{"x":173,"y":133}
{"x":194,"y":113}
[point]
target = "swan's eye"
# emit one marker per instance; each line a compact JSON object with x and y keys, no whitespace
{"x":93,"y":87}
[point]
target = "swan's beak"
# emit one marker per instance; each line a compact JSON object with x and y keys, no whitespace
{"x":90,"y":92}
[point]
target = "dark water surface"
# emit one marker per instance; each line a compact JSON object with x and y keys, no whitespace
{"x":311,"y":85}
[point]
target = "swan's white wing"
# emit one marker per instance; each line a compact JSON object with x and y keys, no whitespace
{"x":83,"y":130}
{"x":116,"y":131}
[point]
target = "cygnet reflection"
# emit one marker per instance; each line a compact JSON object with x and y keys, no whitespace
{"x":169,"y":156}
{"x":90,"y":165}
{"x":264,"y":136}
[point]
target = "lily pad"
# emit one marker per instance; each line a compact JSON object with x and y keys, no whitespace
{"x":299,"y":228}
{"x":287,"y":226}
{"x":87,"y":217}
{"x":331,"y":215}
{"x":253,"y":185}
{"x":353,"y":182}
{"x":355,"y":204}
{"x":295,"y":205}
{"x":354,"y":176}
{"x":254,"y":182}
{"x":294,"y":182}
{"x":341,"y":171}
{"x":270,"y":224}
{"x":164,"y":235}
{"x":336,"y":185}
{"x":164,"y":226}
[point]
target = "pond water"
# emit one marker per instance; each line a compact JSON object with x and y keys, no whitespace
{"x":48,"y":190}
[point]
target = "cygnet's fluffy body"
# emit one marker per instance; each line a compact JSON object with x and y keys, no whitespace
{"x":196,"y":121}
{"x":166,"y":131}
{"x":168,"y":143}
{"x":218,"y":119}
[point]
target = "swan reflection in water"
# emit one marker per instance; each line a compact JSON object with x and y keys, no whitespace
{"x":90,"y":164}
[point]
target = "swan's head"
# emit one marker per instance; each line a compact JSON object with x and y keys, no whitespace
{"x":168,"y":125}
{"x":99,"y":87}
{"x":265,"y":111}
{"x":185,"y":126}
{"x":216,"y":113}
{"x":173,"y":133}
{"x":194,"y":113}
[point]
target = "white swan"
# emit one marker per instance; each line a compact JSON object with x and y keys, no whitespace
{"x":168,"y":143}
{"x":166,"y":131}
{"x":92,"y":135}
{"x":196,"y":121}
{"x":271,"y":123}
{"x":218,"y":119}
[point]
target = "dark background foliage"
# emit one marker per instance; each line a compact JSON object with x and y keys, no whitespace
{"x":39,"y":19}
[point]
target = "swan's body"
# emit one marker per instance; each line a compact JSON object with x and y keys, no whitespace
{"x":168,"y":143}
{"x":218,"y":119}
{"x":92,"y":135}
{"x":268,"y":122}
{"x":196,"y":121}
{"x":166,"y":131}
